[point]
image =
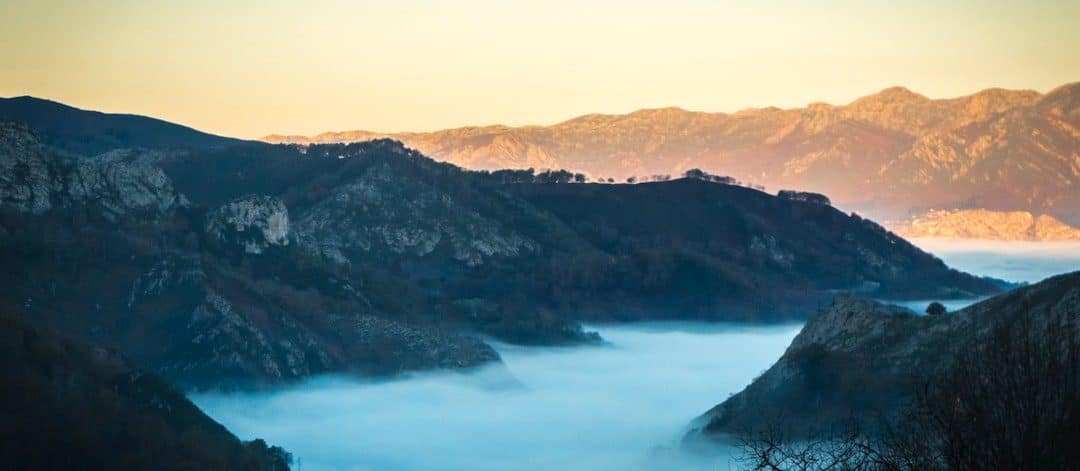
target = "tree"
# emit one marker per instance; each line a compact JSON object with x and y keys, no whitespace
{"x":936,"y":309}
{"x":696,"y":173}
{"x":805,"y":196}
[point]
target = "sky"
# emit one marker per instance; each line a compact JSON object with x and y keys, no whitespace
{"x":251,"y":68}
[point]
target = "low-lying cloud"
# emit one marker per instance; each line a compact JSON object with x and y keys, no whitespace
{"x":622,"y":406}
{"x":1010,"y":261}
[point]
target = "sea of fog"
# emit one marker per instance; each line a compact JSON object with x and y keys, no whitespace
{"x":1027,"y":262}
{"x":620,"y":406}
{"x":1011,"y":261}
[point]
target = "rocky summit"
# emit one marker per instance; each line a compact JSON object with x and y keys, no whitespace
{"x":240,"y":264}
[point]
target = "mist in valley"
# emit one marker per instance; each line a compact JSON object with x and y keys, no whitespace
{"x":624,"y":405}
{"x":1016,"y":261}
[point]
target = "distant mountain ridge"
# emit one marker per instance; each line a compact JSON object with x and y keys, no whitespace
{"x":891,"y":154}
{"x":987,"y":225}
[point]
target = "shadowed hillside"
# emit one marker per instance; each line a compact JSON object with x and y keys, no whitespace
{"x":65,"y":405}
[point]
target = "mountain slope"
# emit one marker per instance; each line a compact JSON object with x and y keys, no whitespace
{"x":862,"y":359}
{"x":90,"y":132}
{"x":110,"y":252}
{"x":64,"y":404}
{"x":256,"y":264}
{"x":889,"y":154}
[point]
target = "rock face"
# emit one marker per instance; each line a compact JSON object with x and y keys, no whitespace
{"x":119,"y":182}
{"x":122,"y":181}
{"x":63,"y":402}
{"x":989,"y":225}
{"x":255,"y":222}
{"x":862,"y":359}
{"x":256,"y":264}
{"x":25,"y":180}
{"x":380,"y":211}
{"x":890,"y":154}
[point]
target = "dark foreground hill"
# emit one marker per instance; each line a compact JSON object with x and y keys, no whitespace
{"x":255,"y":264}
{"x":64,"y":405}
{"x":864,"y":360}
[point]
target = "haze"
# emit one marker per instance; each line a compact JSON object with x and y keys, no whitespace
{"x":249,"y":68}
{"x":1016,"y":261}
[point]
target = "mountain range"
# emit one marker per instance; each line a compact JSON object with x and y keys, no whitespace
{"x":141,"y":254}
{"x":248,"y":264}
{"x":890,"y":155}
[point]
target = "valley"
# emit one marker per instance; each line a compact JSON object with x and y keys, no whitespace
{"x":539,"y":235}
{"x":565,"y":407}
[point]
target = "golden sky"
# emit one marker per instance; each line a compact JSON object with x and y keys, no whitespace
{"x":250,"y":68}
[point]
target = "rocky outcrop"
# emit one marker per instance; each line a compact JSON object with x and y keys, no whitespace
{"x":254,"y":222}
{"x":888,"y":154}
{"x":121,"y":181}
{"x":988,"y":225}
{"x":383,"y":211}
{"x":864,"y":360}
